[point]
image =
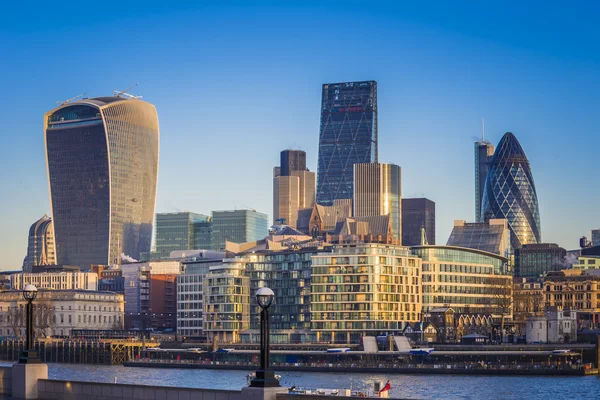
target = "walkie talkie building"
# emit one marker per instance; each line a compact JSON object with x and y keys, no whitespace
{"x":348,"y":136}
{"x":510,"y":193}
{"x":102,"y":162}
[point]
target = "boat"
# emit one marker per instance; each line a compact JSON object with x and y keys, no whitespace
{"x":421,"y":351}
{"x":339,"y":350}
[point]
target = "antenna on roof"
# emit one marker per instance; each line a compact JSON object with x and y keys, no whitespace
{"x":124,"y":92}
{"x":482,"y":130}
{"x":71,"y":99}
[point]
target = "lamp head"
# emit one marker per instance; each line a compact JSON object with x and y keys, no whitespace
{"x":264,"y":297}
{"x":30,"y":292}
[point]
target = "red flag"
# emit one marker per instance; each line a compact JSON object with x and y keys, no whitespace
{"x":385,"y":388}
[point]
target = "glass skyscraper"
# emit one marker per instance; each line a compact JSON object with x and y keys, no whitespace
{"x":176,"y":231}
{"x":102,"y":160}
{"x":417,"y":214}
{"x":510,"y":193}
{"x":348,"y":136}
{"x":238,"y":226}
{"x":484,"y":152}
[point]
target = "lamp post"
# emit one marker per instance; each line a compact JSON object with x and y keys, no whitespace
{"x":29,"y":356}
{"x":264,"y":376}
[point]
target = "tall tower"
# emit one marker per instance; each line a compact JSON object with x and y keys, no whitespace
{"x":293,"y":187}
{"x":378,"y":191}
{"x":348,"y":136}
{"x":102,"y":161}
{"x":40,"y":247}
{"x":484,"y":151}
{"x":510,"y":193}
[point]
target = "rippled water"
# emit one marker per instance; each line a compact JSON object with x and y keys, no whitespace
{"x":403,"y":386}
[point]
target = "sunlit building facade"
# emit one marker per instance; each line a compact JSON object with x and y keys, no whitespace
{"x":510,"y":193}
{"x":364,"y":290}
{"x":40,"y":246}
{"x":467,"y":280}
{"x":378,"y":191}
{"x":348,"y":136}
{"x":102,"y":162}
{"x":492,"y":236}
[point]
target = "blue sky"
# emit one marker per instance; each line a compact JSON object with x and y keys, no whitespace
{"x":236,"y":82}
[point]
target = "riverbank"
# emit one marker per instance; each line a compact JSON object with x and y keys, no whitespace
{"x":512,"y":370}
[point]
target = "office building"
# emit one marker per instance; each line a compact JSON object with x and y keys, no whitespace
{"x":363,"y":290}
{"x":151,"y":294}
{"x":418,"y":221}
{"x":176,"y":231}
{"x":510,"y":193}
{"x":226,"y":301}
{"x":378,"y":191}
{"x":238,"y":226}
{"x":492,"y":236}
{"x":58,"y":312}
{"x":587,"y":262}
{"x":595,"y":237}
{"x":64,"y":280}
{"x":484,"y":152}
{"x":292,"y":160}
{"x":293,"y":187}
{"x":102,"y":161}
{"x":467,"y":280}
{"x":189,"y":296}
{"x":202,"y":232}
{"x":40,"y":246}
{"x":535,"y":260}
{"x":348,"y":136}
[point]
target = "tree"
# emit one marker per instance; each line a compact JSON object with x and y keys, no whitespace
{"x":43,"y":318}
{"x":501,"y":289}
{"x":15,"y":319}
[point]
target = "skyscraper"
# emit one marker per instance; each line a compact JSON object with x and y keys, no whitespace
{"x":102,"y":160}
{"x":378,"y":191}
{"x":40,"y":246}
{"x":176,"y":231}
{"x":595,"y":237}
{"x":510,"y":193}
{"x":348,"y":136}
{"x":293,"y":187}
{"x":418,"y":214}
{"x":484,"y":151}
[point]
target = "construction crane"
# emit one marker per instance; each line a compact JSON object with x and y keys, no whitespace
{"x":71,"y":99}
{"x":124,"y":92}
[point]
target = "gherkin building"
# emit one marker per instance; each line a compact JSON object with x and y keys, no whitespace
{"x":510,"y":193}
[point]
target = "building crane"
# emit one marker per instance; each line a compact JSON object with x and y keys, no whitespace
{"x":71,"y":99}
{"x":124,"y":92}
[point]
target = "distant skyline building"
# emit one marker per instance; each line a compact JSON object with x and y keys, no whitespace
{"x":417,"y":213}
{"x":40,"y":244}
{"x":238,"y":226}
{"x":537,"y":259}
{"x":293,"y":187}
{"x":177,"y":231}
{"x":510,"y":193}
{"x":378,"y":191}
{"x":492,"y":236}
{"x":484,"y":152}
{"x":348,"y":136}
{"x":595,"y":237}
{"x":102,"y":163}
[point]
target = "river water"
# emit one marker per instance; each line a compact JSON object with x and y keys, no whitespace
{"x":402,"y":386}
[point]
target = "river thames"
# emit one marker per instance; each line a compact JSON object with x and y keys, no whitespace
{"x":403,"y":386}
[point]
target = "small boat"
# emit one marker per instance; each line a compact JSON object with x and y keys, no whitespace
{"x":339,"y":350}
{"x":565,"y":351}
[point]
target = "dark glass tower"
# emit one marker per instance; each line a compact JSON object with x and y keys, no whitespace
{"x":102,"y":159}
{"x":348,"y":136}
{"x":417,"y":214}
{"x":292,"y":160}
{"x":484,"y":152}
{"x":510,"y":193}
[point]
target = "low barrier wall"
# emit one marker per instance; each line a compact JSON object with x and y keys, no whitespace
{"x":49,"y":389}
{"x":6,"y":380}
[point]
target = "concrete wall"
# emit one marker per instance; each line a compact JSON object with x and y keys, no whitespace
{"x":6,"y":380}
{"x":50,"y":389}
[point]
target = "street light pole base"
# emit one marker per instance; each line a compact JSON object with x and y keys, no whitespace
{"x":29,"y":357}
{"x":265,"y":378}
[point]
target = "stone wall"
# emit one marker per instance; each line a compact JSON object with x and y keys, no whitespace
{"x":49,"y":389}
{"x":6,"y":380}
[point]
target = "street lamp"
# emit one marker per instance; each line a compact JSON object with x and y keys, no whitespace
{"x":29,"y":356}
{"x":264,"y":376}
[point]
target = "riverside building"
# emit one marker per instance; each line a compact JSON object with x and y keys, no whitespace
{"x":63,"y":280}
{"x":467,"y":280}
{"x":363,"y":290}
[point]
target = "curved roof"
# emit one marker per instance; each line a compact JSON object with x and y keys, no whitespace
{"x":509,"y":149}
{"x":40,"y":226}
{"x":484,"y":253}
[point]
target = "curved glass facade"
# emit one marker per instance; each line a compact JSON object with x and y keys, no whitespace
{"x":510,"y":193}
{"x":102,"y":159}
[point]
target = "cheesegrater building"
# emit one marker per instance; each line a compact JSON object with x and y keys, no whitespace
{"x":102,"y":163}
{"x":348,"y":136}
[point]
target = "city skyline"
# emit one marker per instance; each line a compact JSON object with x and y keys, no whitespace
{"x":541,"y":91}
